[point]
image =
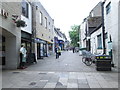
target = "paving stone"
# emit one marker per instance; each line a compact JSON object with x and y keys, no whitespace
{"x":72,"y":80}
{"x":51,"y":73}
{"x":82,"y":81}
{"x":83,"y":86}
{"x":63,"y":81}
{"x":50,"y":85}
{"x":60,"y":85}
{"x":72,"y":85}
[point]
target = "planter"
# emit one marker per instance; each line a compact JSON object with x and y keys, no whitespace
{"x":20,"y":23}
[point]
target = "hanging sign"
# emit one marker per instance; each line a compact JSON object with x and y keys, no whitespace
{"x":3,"y":13}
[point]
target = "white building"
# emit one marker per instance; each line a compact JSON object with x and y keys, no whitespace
{"x":112,"y":25}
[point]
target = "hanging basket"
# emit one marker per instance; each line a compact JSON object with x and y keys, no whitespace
{"x":20,"y":23}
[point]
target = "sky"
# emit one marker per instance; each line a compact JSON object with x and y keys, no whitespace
{"x":67,"y":13}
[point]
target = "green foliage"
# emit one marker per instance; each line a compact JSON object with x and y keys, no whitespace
{"x":74,"y":35}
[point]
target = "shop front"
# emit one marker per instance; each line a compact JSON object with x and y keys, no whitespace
{"x":61,"y":44}
{"x":27,"y":42}
{"x":56,"y":41}
{"x":50,"y":48}
{"x":41,"y":48}
{"x":2,"y":50}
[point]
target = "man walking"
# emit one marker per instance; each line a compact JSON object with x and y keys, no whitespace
{"x":56,"y":51}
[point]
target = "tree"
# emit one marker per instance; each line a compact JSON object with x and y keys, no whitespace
{"x":74,"y":35}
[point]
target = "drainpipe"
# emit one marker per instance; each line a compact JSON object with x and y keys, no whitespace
{"x":103,"y":27}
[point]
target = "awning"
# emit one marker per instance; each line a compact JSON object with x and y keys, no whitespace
{"x":37,"y":40}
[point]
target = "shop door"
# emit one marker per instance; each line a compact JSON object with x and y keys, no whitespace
{"x":2,"y":51}
{"x":38,"y":50}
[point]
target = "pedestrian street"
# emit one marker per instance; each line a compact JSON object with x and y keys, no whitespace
{"x":68,"y":71}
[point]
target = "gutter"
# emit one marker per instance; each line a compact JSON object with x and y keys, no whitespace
{"x":103,"y":28}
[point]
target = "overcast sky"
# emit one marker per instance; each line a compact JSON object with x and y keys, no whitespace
{"x":68,"y":12}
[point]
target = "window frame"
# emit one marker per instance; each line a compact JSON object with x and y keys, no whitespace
{"x":25,"y":9}
{"x":46,"y":22}
{"x":41,"y":17}
{"x":99,"y":41}
{"x":108,"y":8}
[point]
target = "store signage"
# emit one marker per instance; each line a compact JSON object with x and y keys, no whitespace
{"x":3,"y":13}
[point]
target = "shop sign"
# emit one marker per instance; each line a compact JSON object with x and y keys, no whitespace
{"x":39,"y":41}
{"x":3,"y":13}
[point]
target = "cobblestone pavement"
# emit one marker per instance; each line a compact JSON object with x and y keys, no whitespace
{"x":66,"y":72}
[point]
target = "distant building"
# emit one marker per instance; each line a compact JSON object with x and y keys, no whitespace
{"x":60,"y":39}
{"x":88,"y":29}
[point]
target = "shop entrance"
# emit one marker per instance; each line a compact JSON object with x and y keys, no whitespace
{"x":27,"y":45}
{"x":40,"y":51}
{"x":2,"y":50}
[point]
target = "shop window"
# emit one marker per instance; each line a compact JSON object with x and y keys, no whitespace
{"x":99,"y":40}
{"x":106,"y":35}
{"x":50,"y":47}
{"x":25,"y":8}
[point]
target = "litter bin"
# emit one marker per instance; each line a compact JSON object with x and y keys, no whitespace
{"x":103,"y":62}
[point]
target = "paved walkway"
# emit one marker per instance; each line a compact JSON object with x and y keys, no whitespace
{"x":66,"y":72}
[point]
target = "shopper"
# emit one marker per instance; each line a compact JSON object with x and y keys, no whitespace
{"x":56,"y":51}
{"x":73,"y":49}
{"x":59,"y":50}
{"x":23,"y":52}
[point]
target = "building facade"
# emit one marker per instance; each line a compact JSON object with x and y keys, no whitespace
{"x":111,"y":20}
{"x":60,"y":39}
{"x":26,"y":32}
{"x":10,"y":35}
{"x":104,"y":38}
{"x":43,"y":31}
{"x":88,"y":29}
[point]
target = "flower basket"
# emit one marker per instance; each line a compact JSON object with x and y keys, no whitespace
{"x":20,"y":23}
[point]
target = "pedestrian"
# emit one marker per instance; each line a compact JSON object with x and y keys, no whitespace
{"x":56,"y":52}
{"x":23,"y":52}
{"x":73,"y":49}
{"x":59,"y":50}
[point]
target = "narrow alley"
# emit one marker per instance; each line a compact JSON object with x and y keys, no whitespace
{"x":66,"y":72}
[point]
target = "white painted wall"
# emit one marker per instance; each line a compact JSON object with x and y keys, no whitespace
{"x":28,"y":21}
{"x":111,"y":26}
{"x":82,"y":31}
{"x":94,"y":42}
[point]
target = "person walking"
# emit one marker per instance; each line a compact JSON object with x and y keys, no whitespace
{"x":59,"y":51}
{"x":73,"y":49}
{"x":23,"y":52}
{"x":56,"y":51}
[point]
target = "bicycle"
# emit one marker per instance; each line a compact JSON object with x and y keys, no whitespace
{"x":88,"y":58}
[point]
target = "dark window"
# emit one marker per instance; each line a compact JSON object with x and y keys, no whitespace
{"x":40,"y":16}
{"x":106,"y":35}
{"x":25,"y":8}
{"x":36,"y":7}
{"x":45,"y":22}
{"x":108,"y":8}
{"x":99,"y":41}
